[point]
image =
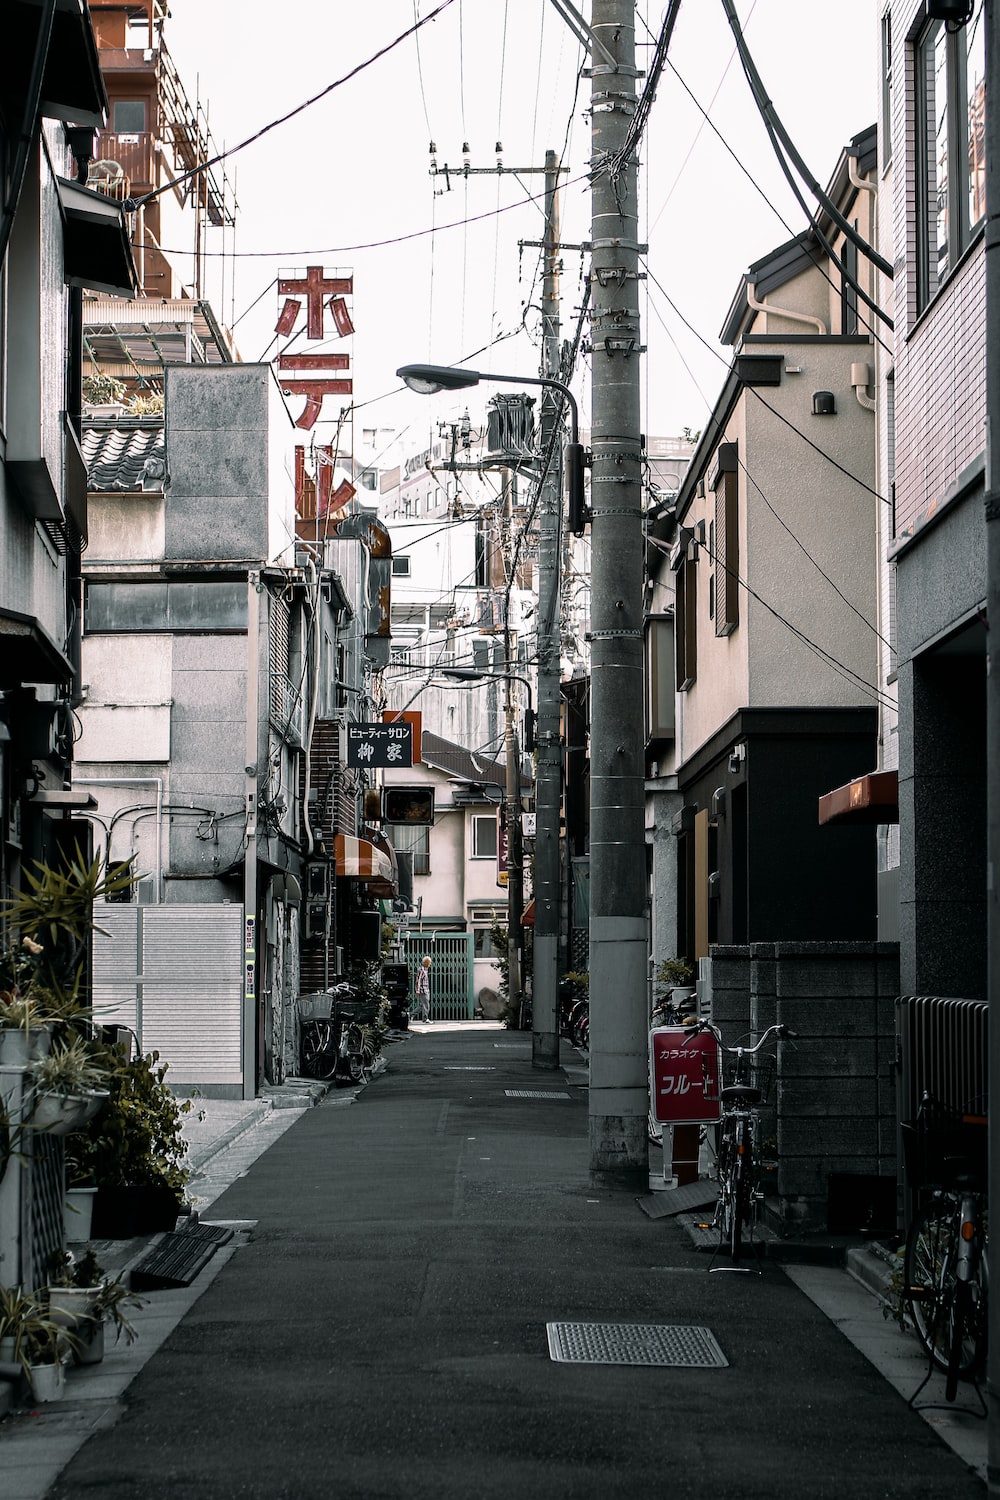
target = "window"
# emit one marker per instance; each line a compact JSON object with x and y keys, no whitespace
{"x":484,"y":837}
{"x":412,"y":839}
{"x":724,"y":480}
{"x":885,"y":132}
{"x":483,"y":945}
{"x":660,"y":723}
{"x":951,"y":145}
{"x":401,"y":566}
{"x":686,"y":618}
{"x":129,"y":116}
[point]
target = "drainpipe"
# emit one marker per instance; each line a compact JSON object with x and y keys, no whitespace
{"x":249,"y":1061}
{"x":156,"y":781}
{"x":782,"y":312}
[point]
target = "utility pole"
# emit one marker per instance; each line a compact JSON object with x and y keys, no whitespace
{"x":618,"y":1016}
{"x":548,"y":772}
{"x":992,"y":521}
{"x":512,"y":813}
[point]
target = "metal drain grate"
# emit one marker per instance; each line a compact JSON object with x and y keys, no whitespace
{"x":533,"y":1094}
{"x":459,"y":1068}
{"x":178,"y":1257}
{"x":634,"y":1344}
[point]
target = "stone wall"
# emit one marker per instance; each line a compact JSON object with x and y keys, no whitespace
{"x":832,"y":1114}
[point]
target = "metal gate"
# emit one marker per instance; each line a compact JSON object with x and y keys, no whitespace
{"x":452,"y":984}
{"x":174,"y":975}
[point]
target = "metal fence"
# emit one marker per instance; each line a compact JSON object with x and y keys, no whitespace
{"x":452,"y":979}
{"x":943,"y":1050}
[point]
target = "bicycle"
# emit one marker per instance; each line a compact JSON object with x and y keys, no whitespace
{"x":341,"y":1046}
{"x":946,"y":1265}
{"x":737,"y":1162}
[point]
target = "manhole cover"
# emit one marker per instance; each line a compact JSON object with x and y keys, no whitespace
{"x":634,"y":1344}
{"x":533,"y":1094}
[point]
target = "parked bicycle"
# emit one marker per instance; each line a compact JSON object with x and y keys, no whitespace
{"x":946,"y":1265}
{"x":738,"y":1154}
{"x":343,"y":1045}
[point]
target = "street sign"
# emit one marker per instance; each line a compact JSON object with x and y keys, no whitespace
{"x":380,"y":745}
{"x":685,"y":1076}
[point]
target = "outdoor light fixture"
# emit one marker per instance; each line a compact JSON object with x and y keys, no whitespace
{"x":427,"y":379}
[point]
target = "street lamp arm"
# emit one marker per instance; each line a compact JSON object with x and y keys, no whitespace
{"x":426,"y":379}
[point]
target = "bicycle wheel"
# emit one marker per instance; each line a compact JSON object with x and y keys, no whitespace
{"x":949,"y":1316}
{"x":727,"y":1219}
{"x":319,"y":1056}
{"x":355,"y":1055}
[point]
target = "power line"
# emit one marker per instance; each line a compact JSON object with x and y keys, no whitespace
{"x":755,"y":392}
{"x":283,"y":119}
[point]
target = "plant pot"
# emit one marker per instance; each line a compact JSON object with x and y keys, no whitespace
{"x":115,"y":1214}
{"x":78,"y":1214}
{"x":71,"y":1306}
{"x":90,"y":1342}
{"x":8,"y":1349}
{"x":48,"y":1382}
{"x":120,"y":1213}
{"x":58,"y":1114}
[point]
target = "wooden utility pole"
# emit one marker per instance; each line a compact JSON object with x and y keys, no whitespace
{"x":618,"y":884}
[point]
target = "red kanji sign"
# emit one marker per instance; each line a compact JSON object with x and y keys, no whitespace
{"x":685,"y":1076}
{"x":321,"y":292}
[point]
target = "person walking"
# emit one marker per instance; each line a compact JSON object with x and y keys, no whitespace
{"x":422,"y":991}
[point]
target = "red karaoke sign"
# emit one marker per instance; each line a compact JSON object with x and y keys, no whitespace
{"x":685,"y":1076}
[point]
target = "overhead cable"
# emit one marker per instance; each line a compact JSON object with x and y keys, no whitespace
{"x":770,"y":117}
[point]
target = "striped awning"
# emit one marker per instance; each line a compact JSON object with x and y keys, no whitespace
{"x":360,"y":860}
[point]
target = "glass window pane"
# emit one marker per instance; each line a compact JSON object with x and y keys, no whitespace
{"x":975,"y":98}
{"x":937,"y":120}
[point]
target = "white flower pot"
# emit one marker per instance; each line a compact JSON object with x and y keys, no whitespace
{"x":90,"y":1342}
{"x":58,"y":1114}
{"x":78,"y":1213}
{"x":69,"y":1306}
{"x":48,"y":1382}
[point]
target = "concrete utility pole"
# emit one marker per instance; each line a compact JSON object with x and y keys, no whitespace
{"x":548,"y":773}
{"x":992,"y":520}
{"x":618,"y":1016}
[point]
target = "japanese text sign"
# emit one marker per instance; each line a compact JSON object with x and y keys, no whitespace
{"x":310,"y":376}
{"x":685,"y":1076}
{"x":380,"y":744}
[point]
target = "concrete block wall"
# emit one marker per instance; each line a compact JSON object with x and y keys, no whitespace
{"x":836,"y":1084}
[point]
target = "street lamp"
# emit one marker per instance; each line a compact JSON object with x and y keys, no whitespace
{"x":427,"y":379}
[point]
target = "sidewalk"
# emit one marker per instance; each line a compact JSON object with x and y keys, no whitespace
{"x":455,"y":1188}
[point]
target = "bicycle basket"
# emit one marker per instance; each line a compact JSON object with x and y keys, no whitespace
{"x":361,"y":1012}
{"x":939,"y":1147}
{"x":751,"y":1073}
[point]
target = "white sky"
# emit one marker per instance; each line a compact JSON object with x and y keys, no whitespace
{"x":352,"y":171}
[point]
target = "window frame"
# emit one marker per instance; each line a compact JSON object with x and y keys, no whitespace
{"x":492,"y":821}
{"x":415,"y":839}
{"x":937,"y":260}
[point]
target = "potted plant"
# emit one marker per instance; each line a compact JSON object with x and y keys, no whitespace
{"x":25,"y":1019}
{"x":68,"y":1085}
{"x":134,"y":1151}
{"x":82,"y":1298}
{"x":35,"y":1341}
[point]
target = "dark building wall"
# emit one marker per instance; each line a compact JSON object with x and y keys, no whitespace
{"x":782,"y":877}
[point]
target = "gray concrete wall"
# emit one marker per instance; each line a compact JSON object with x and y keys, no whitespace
{"x":217,"y":462}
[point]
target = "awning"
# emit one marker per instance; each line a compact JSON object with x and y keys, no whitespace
{"x":870,"y":799}
{"x":528,"y":915}
{"x":381,"y":844}
{"x":357,"y":859}
{"x":72,"y":85}
{"x":28,"y":653}
{"x":97,"y":253}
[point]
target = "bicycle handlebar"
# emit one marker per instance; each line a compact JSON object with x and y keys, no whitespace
{"x":780,"y":1032}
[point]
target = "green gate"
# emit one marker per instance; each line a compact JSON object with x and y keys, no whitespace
{"x":452,"y":989}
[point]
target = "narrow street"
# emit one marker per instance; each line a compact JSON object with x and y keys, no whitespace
{"x":382,"y":1330}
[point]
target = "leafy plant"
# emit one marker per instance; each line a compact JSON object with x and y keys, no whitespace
{"x":38,"y":1338}
{"x":102,"y":390}
{"x":673,"y":973}
{"x":72,"y":1066}
{"x":137,"y":1138}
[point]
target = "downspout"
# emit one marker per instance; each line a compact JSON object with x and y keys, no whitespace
{"x":782,"y":312}
{"x":313,"y":710}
